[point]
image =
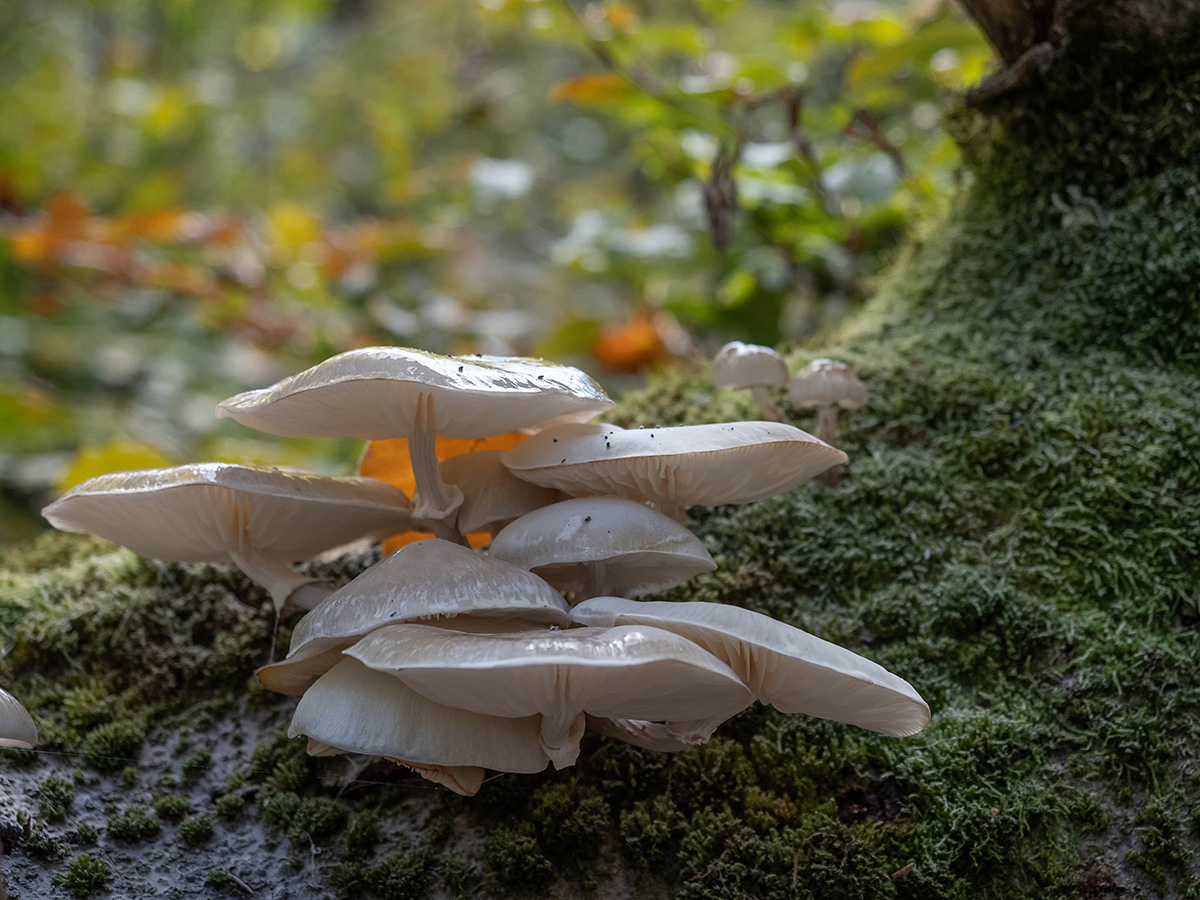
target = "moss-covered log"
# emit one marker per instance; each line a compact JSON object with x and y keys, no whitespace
{"x":1017,"y":534}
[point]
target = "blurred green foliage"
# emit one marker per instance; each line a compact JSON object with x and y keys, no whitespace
{"x":196,"y":199}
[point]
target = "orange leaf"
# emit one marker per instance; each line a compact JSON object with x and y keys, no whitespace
{"x":389,"y":461}
{"x":158,"y":225}
{"x":40,"y":243}
{"x":593,"y":89}
{"x":632,"y":346}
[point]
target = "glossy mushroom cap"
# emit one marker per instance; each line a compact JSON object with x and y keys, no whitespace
{"x":16,"y":725}
{"x":827,"y":382}
{"x":428,"y":580}
{"x":393,"y":392}
{"x":740,"y":366}
{"x":603,"y":545}
{"x":259,"y":518}
{"x":639,"y":672}
{"x":788,"y":668}
{"x":359,"y":710}
{"x":673,"y":468}
{"x":377,"y":392}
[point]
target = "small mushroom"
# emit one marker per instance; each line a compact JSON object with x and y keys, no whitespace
{"x":16,"y":725}
{"x":390,"y":392}
{"x":625,"y":672}
{"x":828,"y":385}
{"x":603,"y":545}
{"x":673,"y":468}
{"x":358,"y":710}
{"x":755,"y":368}
{"x":259,"y":519}
{"x":790,"y":669}
{"x":427,"y":581}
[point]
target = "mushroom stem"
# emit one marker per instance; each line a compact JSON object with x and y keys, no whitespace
{"x":280,"y":580}
{"x":770,"y":410}
{"x":593,"y":581}
{"x":434,"y":500}
{"x":560,"y":737}
{"x":827,"y":424}
{"x":827,"y":430}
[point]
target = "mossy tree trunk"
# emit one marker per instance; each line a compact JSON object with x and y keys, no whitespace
{"x":1017,"y":533}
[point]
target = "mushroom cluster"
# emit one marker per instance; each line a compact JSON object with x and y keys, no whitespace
{"x":451,"y":661}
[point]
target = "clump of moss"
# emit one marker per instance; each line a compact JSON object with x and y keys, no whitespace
{"x":135,"y":824}
{"x":40,"y":844}
{"x":195,"y":830}
{"x":55,"y":796}
{"x":513,"y":860}
{"x":362,"y":836}
{"x":84,"y":876}
{"x":570,"y":819}
{"x":86,"y":835}
{"x":302,"y":819}
{"x":197,"y":764}
{"x":172,"y":807}
{"x":109,"y":747}
{"x":402,"y":876}
{"x":229,"y":806}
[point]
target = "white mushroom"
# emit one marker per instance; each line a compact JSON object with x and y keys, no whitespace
{"x":790,"y":669}
{"x":751,"y":367}
{"x":16,"y":725}
{"x":635,"y":673}
{"x":259,"y":519}
{"x":603,"y":545}
{"x":390,"y":392}
{"x":358,"y":710}
{"x":426,"y":581}
{"x":492,"y":495}
{"x":828,"y":385}
{"x":673,"y":468}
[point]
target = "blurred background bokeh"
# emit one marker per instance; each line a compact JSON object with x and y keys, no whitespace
{"x":197,"y":198}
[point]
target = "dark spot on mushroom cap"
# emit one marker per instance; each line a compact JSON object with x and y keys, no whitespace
{"x":587,"y":518}
{"x":460,"y":368}
{"x":540,"y":377}
{"x":554,"y":439}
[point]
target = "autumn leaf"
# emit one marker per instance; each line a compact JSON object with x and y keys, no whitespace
{"x":389,"y":461}
{"x":593,"y":89}
{"x":39,"y":243}
{"x":115,"y":456}
{"x":632,"y":346}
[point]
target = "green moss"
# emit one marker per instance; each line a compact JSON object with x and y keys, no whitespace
{"x":84,"y":876}
{"x":362,"y":837}
{"x":135,"y":824}
{"x":86,"y":835}
{"x":111,"y":746}
{"x":302,"y":819}
{"x":197,"y":764}
{"x":569,"y":819}
{"x":402,"y":876}
{"x":173,"y":807}
{"x":55,"y":796}
{"x":513,"y":860}
{"x":229,"y":806}
{"x":457,"y":878}
{"x":195,"y":830}
{"x":40,"y":844}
